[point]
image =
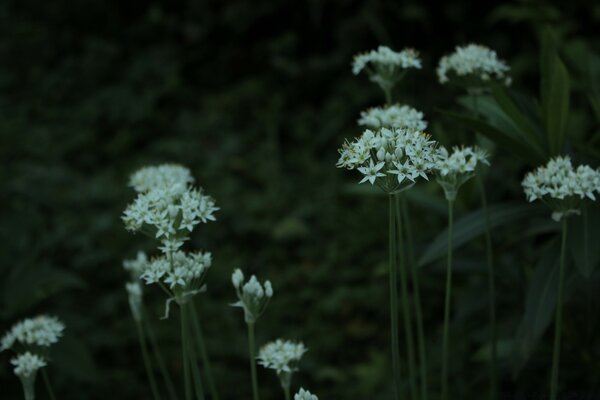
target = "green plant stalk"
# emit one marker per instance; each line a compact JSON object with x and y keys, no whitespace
{"x":393,"y":258}
{"x":388,"y":96}
{"x":184,"y":353}
{"x":447,"y":305}
{"x":203,"y":353}
{"x":147,"y":362}
{"x":252,"y":353}
{"x":193,"y":360}
{"x":408,"y":333}
{"x":28,"y":387}
{"x":158,"y":355}
{"x":47,"y":384}
{"x":417,"y":300}
{"x":492,"y":289}
{"x":559,"y":307}
{"x":288,"y":396}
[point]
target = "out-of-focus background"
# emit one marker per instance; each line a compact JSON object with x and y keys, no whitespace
{"x":255,"y":97}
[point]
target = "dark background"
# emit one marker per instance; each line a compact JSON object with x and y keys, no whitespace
{"x":256,"y":97}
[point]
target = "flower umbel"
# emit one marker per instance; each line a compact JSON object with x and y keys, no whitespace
{"x":454,"y":169}
{"x":27,"y":364}
{"x":253,"y":297}
{"x":41,"y":331}
{"x":472,"y":65}
{"x":305,"y":395}
{"x":393,"y":159}
{"x":282,"y":356}
{"x":385,"y":66}
{"x":394,"y":116}
{"x":561,"y":186}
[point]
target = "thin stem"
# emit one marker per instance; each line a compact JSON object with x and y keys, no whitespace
{"x":184,"y":354}
{"x":47,"y":384}
{"x":394,"y":298}
{"x":408,"y":333}
{"x":147,"y":362}
{"x":447,"y":305}
{"x":203,"y":353}
{"x":193,"y":360}
{"x":252,"y":353}
{"x":159,"y":358}
{"x":559,"y":307}
{"x":286,"y":391}
{"x":388,"y":96}
{"x":491,"y":288}
{"x":417,"y":299}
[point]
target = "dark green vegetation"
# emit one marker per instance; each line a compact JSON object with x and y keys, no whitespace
{"x":255,"y":97}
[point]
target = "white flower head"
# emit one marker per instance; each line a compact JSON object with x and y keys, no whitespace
{"x":27,"y":364}
{"x":253,"y":296}
{"x":394,"y":116}
{"x":171,"y":176}
{"x":305,"y":395}
{"x":393,"y":159}
{"x":471,"y":66}
{"x":169,"y":212}
{"x":561,"y":186}
{"x":385,"y":66}
{"x":454,"y":169}
{"x":180,"y":272}
{"x":281,"y":355}
{"x":41,"y":331}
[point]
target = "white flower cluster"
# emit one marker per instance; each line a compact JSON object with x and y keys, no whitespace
{"x":305,"y":395}
{"x":562,"y":186}
{"x":253,"y":297}
{"x":473,"y":61}
{"x":281,"y":355}
{"x":391,"y":158}
{"x":41,"y":331}
{"x":394,"y":116}
{"x":454,"y":169}
{"x":386,"y":58}
{"x":167,"y":207}
{"x":165,"y":175}
{"x":179,"y":271}
{"x":27,"y":364}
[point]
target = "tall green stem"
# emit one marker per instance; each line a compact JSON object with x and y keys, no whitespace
{"x":252,"y":352}
{"x":417,"y":300}
{"x":388,"y":96}
{"x":185,"y":353}
{"x":203,"y":353}
{"x":47,"y":384}
{"x":158,"y":355}
{"x":406,"y":314}
{"x":447,"y":305}
{"x":193,"y":360}
{"x":559,"y":307}
{"x":393,"y":258}
{"x":491,"y":288}
{"x":147,"y":362}
{"x":286,"y":391}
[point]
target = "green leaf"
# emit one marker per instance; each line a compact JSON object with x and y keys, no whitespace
{"x":540,"y":304}
{"x":472,"y":225}
{"x":554,"y":94}
{"x":584,"y":232}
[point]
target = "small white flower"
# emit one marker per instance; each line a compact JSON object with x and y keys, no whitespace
{"x":40,"y":331}
{"x":180,"y":271}
{"x":454,"y":169}
{"x":27,"y":364}
{"x":394,"y":116}
{"x":385,"y":66}
{"x":371,"y":172}
{"x":305,"y":395}
{"x":165,"y":175}
{"x":281,"y":355}
{"x":475,"y":61}
{"x":252,"y":296}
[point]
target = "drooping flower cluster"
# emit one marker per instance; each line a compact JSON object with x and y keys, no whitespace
{"x":391,"y":158}
{"x":281,"y":355}
{"x":41,"y":331}
{"x":454,"y":169}
{"x":31,"y":339}
{"x":472,"y":64}
{"x":385,"y":66}
{"x":394,"y":116}
{"x":562,"y":186}
{"x":167,"y":206}
{"x":252,"y":296}
{"x":305,"y":395}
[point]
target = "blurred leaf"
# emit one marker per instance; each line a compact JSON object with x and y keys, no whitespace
{"x":540,"y":304}
{"x":472,"y":225}
{"x":554,"y":94}
{"x":584,"y":232}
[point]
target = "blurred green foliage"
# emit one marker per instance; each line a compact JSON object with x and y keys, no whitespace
{"x":255,"y":97}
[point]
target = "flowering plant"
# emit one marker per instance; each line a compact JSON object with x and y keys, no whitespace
{"x":472,"y":66}
{"x":394,"y":116}
{"x":454,"y":169}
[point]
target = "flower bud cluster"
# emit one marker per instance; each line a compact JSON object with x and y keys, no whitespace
{"x":253,"y":296}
